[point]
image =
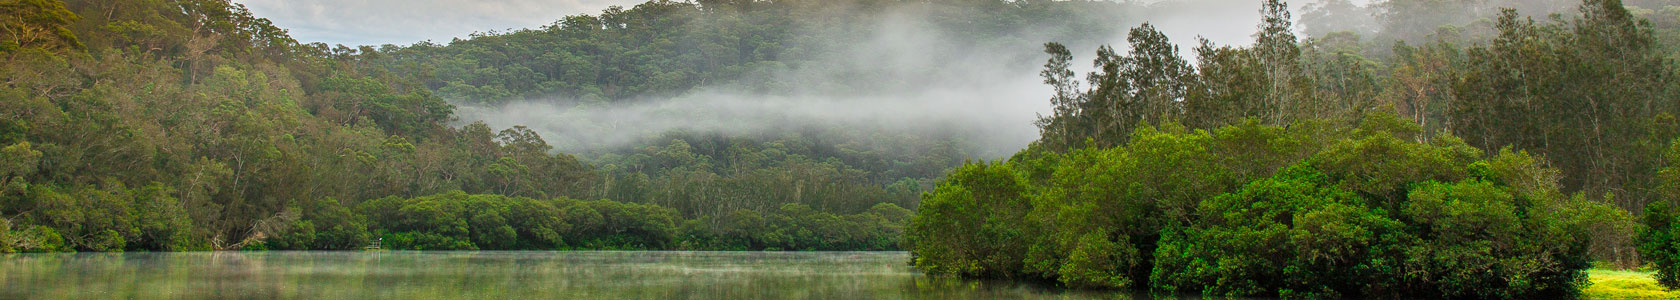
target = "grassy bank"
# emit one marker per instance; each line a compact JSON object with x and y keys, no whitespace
{"x":1612,"y":284}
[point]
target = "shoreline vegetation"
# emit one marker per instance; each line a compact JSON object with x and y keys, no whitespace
{"x":143,"y":125}
{"x":140,"y":125}
{"x":1312,"y":212}
{"x":1432,"y":150}
{"x":1254,"y":173}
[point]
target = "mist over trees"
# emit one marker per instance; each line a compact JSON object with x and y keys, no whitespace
{"x":666,"y":48}
{"x":1423,"y":148}
{"x":194,"y":125}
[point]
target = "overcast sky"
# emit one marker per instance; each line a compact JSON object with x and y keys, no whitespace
{"x":403,"y":22}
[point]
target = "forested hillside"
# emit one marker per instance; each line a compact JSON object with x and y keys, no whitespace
{"x":182,"y":125}
{"x":195,"y":125}
{"x":665,"y":48}
{"x":1445,"y":149}
{"x":592,"y":77}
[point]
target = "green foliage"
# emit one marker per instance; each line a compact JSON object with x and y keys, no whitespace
{"x":1294,"y":235}
{"x":1264,"y":211}
{"x":1659,"y":242}
{"x":1572,"y":91}
{"x":1142,"y":88}
{"x":1659,"y":239}
{"x":798,"y":227}
{"x":19,"y":160}
{"x":459,"y":221}
{"x":36,"y":24}
{"x":1668,"y":178}
{"x":972,"y":224}
{"x":193,"y":125}
{"x":1099,"y":261}
{"x":712,"y":175}
{"x":30,"y":239}
{"x":591,"y":64}
{"x":1353,"y":161}
{"x":606,"y":224}
{"x":323,"y":224}
{"x":351,"y":99}
{"x":1480,"y":241}
{"x":108,"y":218}
{"x":1076,"y":219}
{"x":1152,"y":84}
{"x":1588,"y":92}
{"x":140,"y":125}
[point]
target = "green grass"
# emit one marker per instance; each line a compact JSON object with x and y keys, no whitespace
{"x":1613,"y":284}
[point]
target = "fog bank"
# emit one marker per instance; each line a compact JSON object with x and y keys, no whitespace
{"x":908,"y":76}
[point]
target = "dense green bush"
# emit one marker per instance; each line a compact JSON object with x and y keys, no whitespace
{"x":973,"y":224}
{"x":324,"y":224}
{"x":30,"y":239}
{"x":605,"y":224}
{"x":1100,"y":235}
{"x":1295,"y":234}
{"x":798,"y":227}
{"x":461,"y":221}
{"x":1309,"y":213}
{"x":1659,"y":240}
{"x":1479,"y":240}
{"x":111,"y":217}
{"x":458,"y":221}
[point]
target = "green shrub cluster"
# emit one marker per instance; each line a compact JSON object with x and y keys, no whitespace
{"x":461,"y":221}
{"x":458,"y":221}
{"x":799,"y":227}
{"x":1304,"y":211}
{"x":1659,"y":241}
{"x":108,"y":216}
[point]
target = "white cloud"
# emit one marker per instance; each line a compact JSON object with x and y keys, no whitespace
{"x":373,"y":22}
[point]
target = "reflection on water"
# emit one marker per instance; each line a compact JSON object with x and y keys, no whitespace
{"x":494,"y":274}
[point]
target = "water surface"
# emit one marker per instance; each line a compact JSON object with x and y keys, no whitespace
{"x":495,"y":274}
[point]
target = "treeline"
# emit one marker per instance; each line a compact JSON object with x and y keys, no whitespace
{"x":459,"y":221}
{"x":1590,"y":89}
{"x":714,"y":174}
{"x":1311,"y":210}
{"x":1593,"y":94}
{"x":1305,"y":169}
{"x":659,"y":49}
{"x":194,"y":125}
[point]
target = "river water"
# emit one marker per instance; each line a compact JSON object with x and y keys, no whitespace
{"x":495,"y":275}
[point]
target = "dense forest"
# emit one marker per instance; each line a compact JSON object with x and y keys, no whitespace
{"x":1440,"y":149}
{"x":1400,"y":148}
{"x":146,"y":125}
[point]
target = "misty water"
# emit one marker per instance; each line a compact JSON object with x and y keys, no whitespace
{"x":496,"y":274}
